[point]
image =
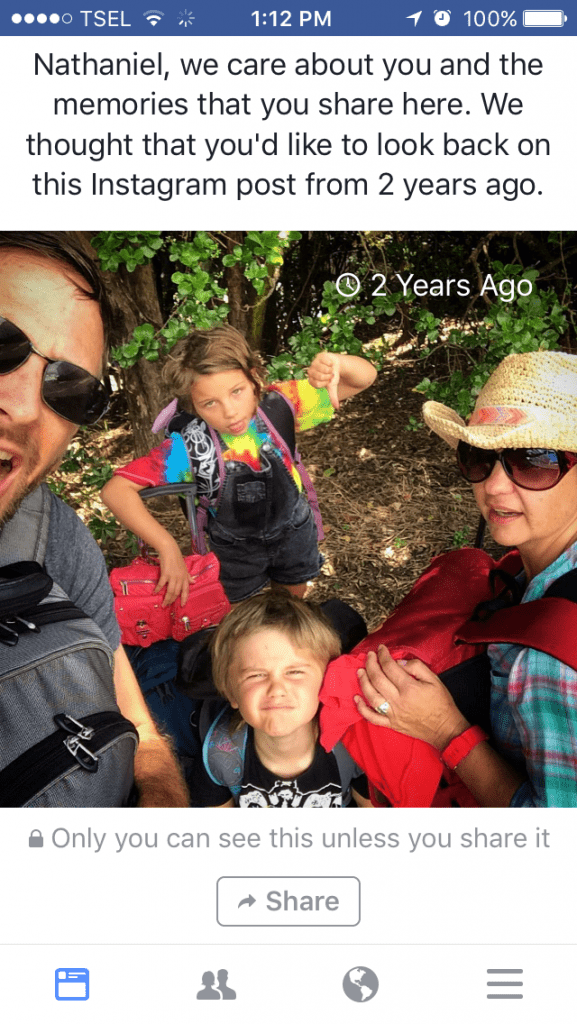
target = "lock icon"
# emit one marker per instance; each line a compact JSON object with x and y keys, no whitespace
{"x":35,"y":838}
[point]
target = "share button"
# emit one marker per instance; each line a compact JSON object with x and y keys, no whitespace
{"x":288,"y":901}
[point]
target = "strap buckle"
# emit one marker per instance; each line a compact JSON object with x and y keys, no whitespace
{"x":74,"y":728}
{"x":85,"y":758}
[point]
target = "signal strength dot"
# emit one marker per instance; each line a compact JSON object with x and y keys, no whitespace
{"x":153,"y":17}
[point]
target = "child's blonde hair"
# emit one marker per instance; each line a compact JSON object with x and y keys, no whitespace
{"x":220,"y":349}
{"x":302,"y":622}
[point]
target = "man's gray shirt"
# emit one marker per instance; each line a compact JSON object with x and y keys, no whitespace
{"x":75,"y":562}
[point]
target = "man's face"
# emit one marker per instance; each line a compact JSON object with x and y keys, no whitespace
{"x":42,"y":298}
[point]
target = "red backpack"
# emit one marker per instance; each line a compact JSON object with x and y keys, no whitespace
{"x":457,"y":607}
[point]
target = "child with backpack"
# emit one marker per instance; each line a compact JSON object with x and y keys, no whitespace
{"x":261,"y":749}
{"x":236,"y":440}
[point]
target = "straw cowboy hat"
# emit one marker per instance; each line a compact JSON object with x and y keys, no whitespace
{"x":530,"y":401}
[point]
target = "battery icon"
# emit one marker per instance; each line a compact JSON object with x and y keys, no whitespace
{"x":544,"y":19}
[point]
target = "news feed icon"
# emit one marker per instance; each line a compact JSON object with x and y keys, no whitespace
{"x":544,"y":19}
{"x":71,"y":984}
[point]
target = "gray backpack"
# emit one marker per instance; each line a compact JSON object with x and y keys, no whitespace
{"x":63,"y":741}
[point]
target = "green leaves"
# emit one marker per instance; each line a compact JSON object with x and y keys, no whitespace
{"x":260,"y":254}
{"x":144,"y":342}
{"x":200,"y":298}
{"x":103,"y":527}
{"x":116,"y":248}
{"x":333,"y":330}
{"x":524,"y":324}
{"x":427,"y":324}
{"x":83,"y":470}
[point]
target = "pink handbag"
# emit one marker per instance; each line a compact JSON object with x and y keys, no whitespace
{"x":139,"y":611}
{"x":142,"y":619}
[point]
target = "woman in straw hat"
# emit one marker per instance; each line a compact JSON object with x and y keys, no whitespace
{"x":518,"y":452}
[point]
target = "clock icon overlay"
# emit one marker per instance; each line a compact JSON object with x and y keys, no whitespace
{"x":442,"y":18}
{"x":348,"y":285}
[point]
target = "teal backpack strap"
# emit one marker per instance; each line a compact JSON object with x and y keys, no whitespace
{"x":224,"y":751}
{"x":348,"y":770}
{"x":25,"y":536}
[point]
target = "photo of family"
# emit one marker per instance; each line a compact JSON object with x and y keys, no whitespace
{"x":288,"y":519}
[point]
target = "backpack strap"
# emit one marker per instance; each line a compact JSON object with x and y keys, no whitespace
{"x":223,"y":751}
{"x":24,"y":537}
{"x":564,"y":586}
{"x":283,"y":432}
{"x":346,"y":621}
{"x":280,"y":413}
{"x":548,"y":624}
{"x":55,"y":755}
{"x":348,"y":770}
{"x":176,"y":424}
{"x":204,"y":503}
{"x":178,"y":421}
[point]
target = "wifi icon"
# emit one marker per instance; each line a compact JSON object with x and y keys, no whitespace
{"x":153,"y":17}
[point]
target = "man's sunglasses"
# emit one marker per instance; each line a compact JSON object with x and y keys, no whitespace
{"x":67,"y":389}
{"x":533,"y":469}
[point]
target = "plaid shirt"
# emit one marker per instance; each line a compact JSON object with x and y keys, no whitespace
{"x":534,"y":710}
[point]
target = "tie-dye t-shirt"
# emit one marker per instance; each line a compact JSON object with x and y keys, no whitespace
{"x":191,"y":454}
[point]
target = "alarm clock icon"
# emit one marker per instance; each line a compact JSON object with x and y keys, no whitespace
{"x":442,"y":18}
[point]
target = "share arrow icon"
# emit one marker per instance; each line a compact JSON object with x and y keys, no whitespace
{"x":248,"y":899}
{"x":415,"y":17}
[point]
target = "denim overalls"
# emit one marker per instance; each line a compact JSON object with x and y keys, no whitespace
{"x":263,"y":528}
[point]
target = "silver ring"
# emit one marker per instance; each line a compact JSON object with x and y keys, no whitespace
{"x":383,"y":709}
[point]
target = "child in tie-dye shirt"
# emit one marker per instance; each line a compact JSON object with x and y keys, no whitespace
{"x":260,"y":524}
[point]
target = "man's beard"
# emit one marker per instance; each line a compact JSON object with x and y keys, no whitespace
{"x":28,"y":485}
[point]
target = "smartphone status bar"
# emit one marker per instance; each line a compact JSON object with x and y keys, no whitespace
{"x":333,"y":18}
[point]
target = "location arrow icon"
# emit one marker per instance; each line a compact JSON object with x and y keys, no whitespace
{"x":248,"y":899}
{"x":415,"y":17}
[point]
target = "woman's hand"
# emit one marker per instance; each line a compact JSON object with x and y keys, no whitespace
{"x":325,"y":372}
{"x":419,"y":705}
{"x":173,"y":574}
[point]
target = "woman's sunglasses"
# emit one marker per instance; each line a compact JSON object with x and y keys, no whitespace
{"x":67,"y":389}
{"x":533,"y":469}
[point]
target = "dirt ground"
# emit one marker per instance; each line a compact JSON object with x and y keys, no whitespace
{"x":391,"y":497}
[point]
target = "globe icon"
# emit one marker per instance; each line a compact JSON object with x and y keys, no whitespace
{"x":360,"y":984}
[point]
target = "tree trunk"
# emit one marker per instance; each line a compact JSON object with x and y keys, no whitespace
{"x":241,"y":296}
{"x":135,"y":296}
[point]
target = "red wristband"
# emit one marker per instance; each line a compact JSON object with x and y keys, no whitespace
{"x":462,"y":745}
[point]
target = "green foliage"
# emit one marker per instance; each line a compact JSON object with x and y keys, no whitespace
{"x":427,"y":324}
{"x":83,"y":470}
{"x":333,"y":330}
{"x":116,"y":248}
{"x":414,"y":424}
{"x":90,"y":468}
{"x":461,"y":537}
{"x":199,"y":296}
{"x":463,"y":356}
{"x":260,"y":251}
{"x":103,"y":527}
{"x":524,"y":324}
